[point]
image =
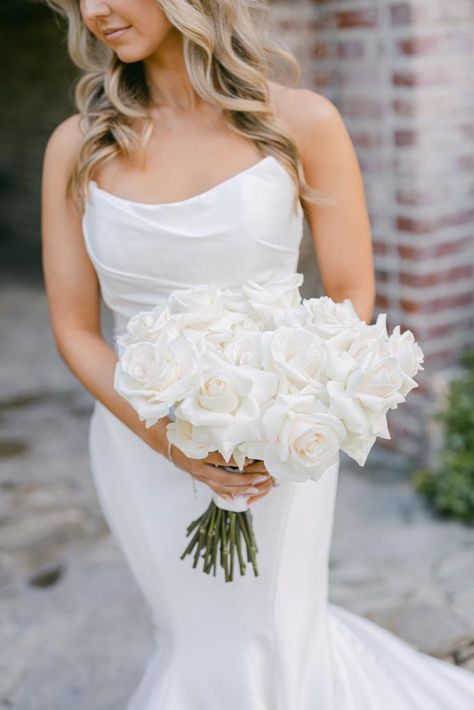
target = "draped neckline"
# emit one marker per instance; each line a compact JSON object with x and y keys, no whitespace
{"x":254,"y":167}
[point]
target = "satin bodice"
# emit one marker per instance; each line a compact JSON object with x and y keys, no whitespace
{"x":243,"y":228}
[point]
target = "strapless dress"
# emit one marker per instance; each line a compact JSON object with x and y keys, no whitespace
{"x":272,"y":642}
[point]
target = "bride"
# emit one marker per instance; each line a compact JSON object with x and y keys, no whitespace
{"x":185,"y":164}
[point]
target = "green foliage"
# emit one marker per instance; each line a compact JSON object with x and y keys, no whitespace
{"x":451,"y":489}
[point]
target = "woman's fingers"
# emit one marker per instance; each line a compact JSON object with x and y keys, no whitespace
{"x":214,"y":457}
{"x":226,"y":482}
{"x":256,"y":467}
{"x":255,"y":491}
{"x":234,"y":480}
{"x":265,"y":488}
{"x":252,"y":466}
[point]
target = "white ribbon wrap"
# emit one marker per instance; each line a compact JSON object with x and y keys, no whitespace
{"x":237,"y":505}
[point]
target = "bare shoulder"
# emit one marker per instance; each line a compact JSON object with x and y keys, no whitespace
{"x":308,"y":116}
{"x":63,"y":144}
{"x":67,"y":134}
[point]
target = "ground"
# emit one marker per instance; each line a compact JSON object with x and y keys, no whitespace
{"x":74,"y":632}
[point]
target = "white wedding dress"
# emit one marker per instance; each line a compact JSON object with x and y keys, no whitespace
{"x":271,"y":642}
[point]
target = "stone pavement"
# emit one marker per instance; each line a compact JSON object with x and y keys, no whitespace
{"x":74,"y":632}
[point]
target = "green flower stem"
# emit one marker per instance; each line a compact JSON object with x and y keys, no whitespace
{"x":202,"y":538}
{"x":191,"y":527}
{"x":222,"y":533}
{"x":216,"y":540}
{"x":221,"y":539}
{"x":248,"y":521}
{"x":225,"y":546}
{"x":210,"y":531}
{"x":251,"y":549}
{"x":239,"y":548}
{"x":191,"y":544}
{"x":232,"y":544}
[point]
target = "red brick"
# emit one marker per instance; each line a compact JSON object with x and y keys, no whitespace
{"x":464,"y":271}
{"x":379,"y":248}
{"x":404,"y":107}
{"x":417,"y":197}
{"x":361,"y":107}
{"x":381,"y":301}
{"x":366,"y":139}
{"x":419,"y":45}
{"x":416,"y":226}
{"x":421,"y":76}
{"x":437,"y":304}
{"x":425,"y":226}
{"x":404,"y":138}
{"x":353,"y":74}
{"x":292,"y":25}
{"x":447,"y":329}
{"x":456,"y":41}
{"x":322,"y":50}
{"x":366,"y":17}
{"x":321,"y":80}
{"x":441,"y":359}
{"x":351,"y":49}
{"x":401,"y":13}
{"x":432,"y":252}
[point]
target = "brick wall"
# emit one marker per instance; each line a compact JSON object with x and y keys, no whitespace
{"x":401,"y":74}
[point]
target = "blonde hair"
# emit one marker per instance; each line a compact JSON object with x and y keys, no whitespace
{"x":227,"y":58}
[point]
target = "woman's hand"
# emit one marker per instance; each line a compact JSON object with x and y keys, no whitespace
{"x":254,"y":480}
{"x":210,"y":469}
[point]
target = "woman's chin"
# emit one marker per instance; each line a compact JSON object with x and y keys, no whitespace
{"x":128,"y":55}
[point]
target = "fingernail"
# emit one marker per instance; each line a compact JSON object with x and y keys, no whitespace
{"x":261,"y":479}
{"x":251,"y":489}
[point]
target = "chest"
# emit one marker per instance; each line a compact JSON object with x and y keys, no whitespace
{"x":177,"y":164}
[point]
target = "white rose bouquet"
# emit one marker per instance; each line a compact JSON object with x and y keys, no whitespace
{"x":260,"y":373}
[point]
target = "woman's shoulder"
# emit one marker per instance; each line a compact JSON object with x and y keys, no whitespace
{"x":304,"y":112}
{"x":65,"y":139}
{"x":299,"y":103}
{"x":61,"y":151}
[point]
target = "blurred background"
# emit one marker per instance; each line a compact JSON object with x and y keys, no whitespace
{"x":400,"y":73}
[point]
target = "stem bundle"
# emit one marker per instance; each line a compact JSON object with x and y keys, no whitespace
{"x":226,"y":532}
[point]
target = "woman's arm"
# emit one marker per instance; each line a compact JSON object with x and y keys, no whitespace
{"x":72,"y":288}
{"x":341,"y":232}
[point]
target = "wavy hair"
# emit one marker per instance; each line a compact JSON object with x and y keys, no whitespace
{"x":227,"y":56}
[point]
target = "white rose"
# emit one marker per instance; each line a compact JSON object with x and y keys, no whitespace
{"x":336,"y":322}
{"x":409,"y":355}
{"x":291,"y":317}
{"x":247,"y":352}
{"x":370,"y":390}
{"x":280,"y":290}
{"x":358,"y":446}
{"x":223,"y":402}
{"x":144,"y":326}
{"x":303,"y":439}
{"x":371,"y":338}
{"x":153,"y":377}
{"x":340,"y":365}
{"x":229,"y":328}
{"x":250,"y":450}
{"x":236,"y":301}
{"x":200,"y":305}
{"x":191,"y":440}
{"x":298,"y":356}
{"x":245,"y":349}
